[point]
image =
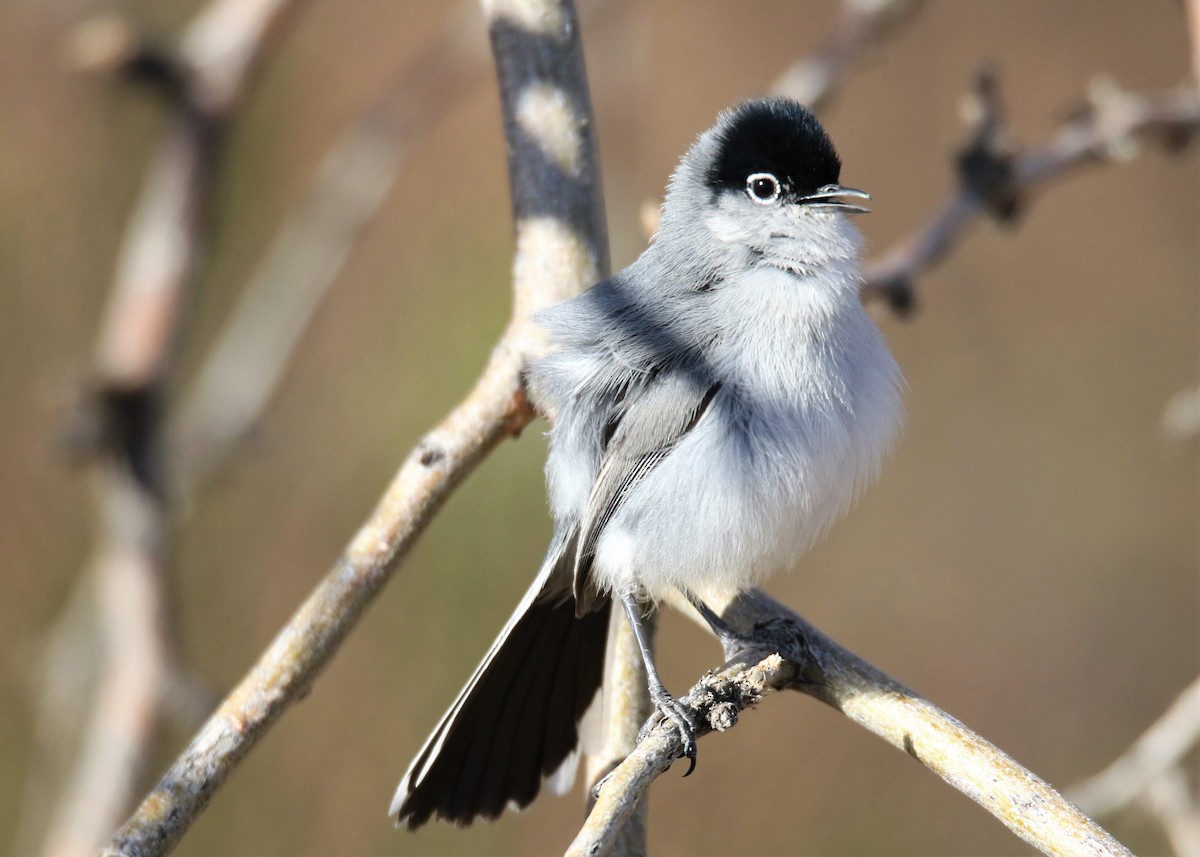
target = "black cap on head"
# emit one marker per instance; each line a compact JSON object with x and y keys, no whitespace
{"x":777,"y":136}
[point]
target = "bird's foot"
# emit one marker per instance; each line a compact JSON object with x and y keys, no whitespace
{"x":681,"y":717}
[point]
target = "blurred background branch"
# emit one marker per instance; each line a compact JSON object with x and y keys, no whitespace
{"x":119,"y":424}
{"x":1181,"y":418}
{"x":861,"y":27}
{"x":246,"y":364}
{"x":1152,"y":776}
{"x":996,"y":179}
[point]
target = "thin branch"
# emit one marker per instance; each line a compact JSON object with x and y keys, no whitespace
{"x":224,"y":44}
{"x":718,"y":698}
{"x":785,"y":652}
{"x":1171,"y":801}
{"x":1158,"y":749}
{"x":862,"y":24}
{"x":994,"y":180}
{"x":1181,"y":417}
{"x":560,"y":249}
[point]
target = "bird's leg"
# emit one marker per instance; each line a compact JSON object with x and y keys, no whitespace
{"x":731,"y":642}
{"x":668,"y":706}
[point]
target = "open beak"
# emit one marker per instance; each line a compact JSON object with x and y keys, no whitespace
{"x":830,"y":196}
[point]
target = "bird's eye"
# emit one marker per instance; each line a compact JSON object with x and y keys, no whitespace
{"x":763,"y":188}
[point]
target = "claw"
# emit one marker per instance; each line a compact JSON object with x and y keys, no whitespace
{"x":682,"y":717}
{"x":691,"y":757}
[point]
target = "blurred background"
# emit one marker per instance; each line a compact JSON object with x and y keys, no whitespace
{"x":1028,"y":560}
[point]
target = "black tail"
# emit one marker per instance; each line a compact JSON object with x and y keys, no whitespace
{"x":515,"y":722}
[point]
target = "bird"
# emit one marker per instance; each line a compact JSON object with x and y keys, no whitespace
{"x":715,"y":407}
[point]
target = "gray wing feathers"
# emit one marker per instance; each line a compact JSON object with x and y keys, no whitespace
{"x":655,"y":419}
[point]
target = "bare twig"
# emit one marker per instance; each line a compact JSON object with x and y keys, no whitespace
{"x":1170,"y":799}
{"x":717,"y":698}
{"x":560,"y":249}
{"x":156,"y":267}
{"x":862,"y":24}
{"x":995,"y":180}
{"x":1181,"y":416}
{"x":1158,"y":749}
{"x":784,"y":651}
{"x":1181,"y":419}
{"x":246,"y":363}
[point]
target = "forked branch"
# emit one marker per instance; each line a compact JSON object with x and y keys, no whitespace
{"x":998,"y":179}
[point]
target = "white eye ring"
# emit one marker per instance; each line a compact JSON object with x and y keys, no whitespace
{"x":763,"y":188}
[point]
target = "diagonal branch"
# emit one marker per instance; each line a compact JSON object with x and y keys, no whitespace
{"x":862,"y":24}
{"x":718,"y":698}
{"x":1157,"y":750}
{"x":785,"y":652}
{"x":560,"y":249}
{"x":1172,"y":802}
{"x":248,"y":360}
{"x":995,"y":180}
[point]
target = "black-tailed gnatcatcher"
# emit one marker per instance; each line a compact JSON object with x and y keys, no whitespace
{"x":716,"y":406}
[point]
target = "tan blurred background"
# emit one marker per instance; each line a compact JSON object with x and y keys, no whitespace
{"x":1028,"y":560}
